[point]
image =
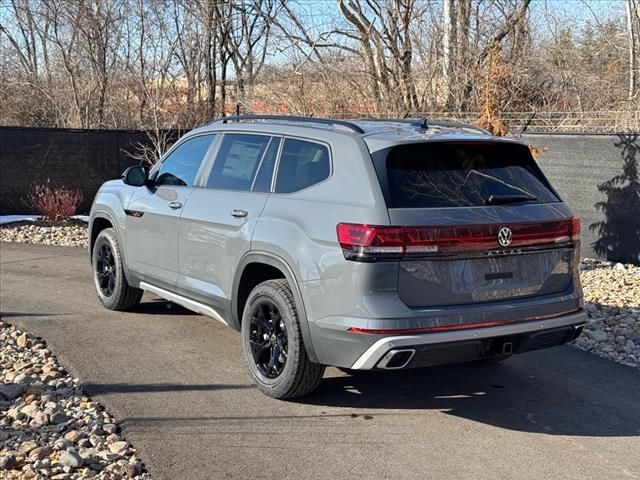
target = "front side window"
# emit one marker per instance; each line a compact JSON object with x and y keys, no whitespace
{"x":237,"y":161}
{"x":181,"y":166}
{"x":302,"y":164}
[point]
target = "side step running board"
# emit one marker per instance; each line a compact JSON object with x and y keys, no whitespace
{"x":185,"y":302}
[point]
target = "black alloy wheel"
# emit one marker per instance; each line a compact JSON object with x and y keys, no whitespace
{"x":268,"y":339}
{"x":109,"y":276}
{"x":106,"y":270}
{"x":272,"y":342}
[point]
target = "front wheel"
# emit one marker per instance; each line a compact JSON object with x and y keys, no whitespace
{"x":273,"y":346}
{"x":112,"y":287}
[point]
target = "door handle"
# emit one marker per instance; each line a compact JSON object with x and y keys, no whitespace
{"x":239,"y":213}
{"x":175,"y":205}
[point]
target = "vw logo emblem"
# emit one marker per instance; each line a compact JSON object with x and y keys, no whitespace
{"x":504,"y":236}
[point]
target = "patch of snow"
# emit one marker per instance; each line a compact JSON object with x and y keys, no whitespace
{"x":4,"y":219}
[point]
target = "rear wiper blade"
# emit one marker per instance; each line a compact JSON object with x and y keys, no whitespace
{"x":500,"y":199}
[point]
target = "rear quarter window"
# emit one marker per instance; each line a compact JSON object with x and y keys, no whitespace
{"x":436,"y":175}
{"x":301,"y":165}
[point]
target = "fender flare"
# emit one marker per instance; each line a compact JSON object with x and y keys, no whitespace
{"x":280,"y":264}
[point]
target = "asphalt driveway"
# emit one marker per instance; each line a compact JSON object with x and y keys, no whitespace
{"x":176,"y":382}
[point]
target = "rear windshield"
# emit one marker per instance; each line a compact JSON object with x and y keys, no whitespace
{"x":463,"y":174}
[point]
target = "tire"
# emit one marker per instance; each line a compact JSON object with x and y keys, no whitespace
{"x":111,"y":285}
{"x":274,"y":350}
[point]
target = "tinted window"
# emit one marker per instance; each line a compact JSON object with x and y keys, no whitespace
{"x":302,"y":164}
{"x":459,"y":174}
{"x":237,"y":161}
{"x":262,"y":182}
{"x":181,"y":166}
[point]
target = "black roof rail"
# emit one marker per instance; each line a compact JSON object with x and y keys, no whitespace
{"x":292,"y":118}
{"x":426,"y":122}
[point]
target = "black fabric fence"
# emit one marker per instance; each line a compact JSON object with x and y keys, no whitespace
{"x":598,"y":176}
{"x":75,"y":159}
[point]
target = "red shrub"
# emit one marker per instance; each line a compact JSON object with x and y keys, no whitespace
{"x":54,"y":204}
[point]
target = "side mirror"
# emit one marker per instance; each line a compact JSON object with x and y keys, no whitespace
{"x":136,"y":176}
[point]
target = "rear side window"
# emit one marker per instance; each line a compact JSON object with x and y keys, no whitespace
{"x":237,"y":161}
{"x":302,"y":164}
{"x":464,"y":175}
{"x":181,"y":166}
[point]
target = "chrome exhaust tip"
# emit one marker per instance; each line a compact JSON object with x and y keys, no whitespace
{"x":396,"y":359}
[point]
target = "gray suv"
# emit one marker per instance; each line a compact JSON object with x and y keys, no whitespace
{"x":362,"y":245}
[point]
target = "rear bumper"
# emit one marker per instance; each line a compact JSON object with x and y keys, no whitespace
{"x":471,"y":344}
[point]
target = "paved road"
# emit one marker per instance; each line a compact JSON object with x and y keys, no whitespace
{"x":176,"y":381}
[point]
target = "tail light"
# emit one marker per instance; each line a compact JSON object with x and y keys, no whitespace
{"x":373,"y":242}
{"x":575,"y":228}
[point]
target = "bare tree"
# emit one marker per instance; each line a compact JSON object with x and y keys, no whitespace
{"x":188,"y":30}
{"x":632,"y":9}
{"x":65,"y":38}
{"x":156,"y":64}
{"x":382,"y":30}
{"x":448,"y":45}
{"x":248,"y":43}
{"x":99,"y":24}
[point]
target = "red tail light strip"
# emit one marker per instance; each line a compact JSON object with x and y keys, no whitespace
{"x":408,"y":331}
{"x":449,"y":328}
{"x":371,"y":240}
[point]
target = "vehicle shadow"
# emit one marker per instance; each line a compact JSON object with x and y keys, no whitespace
{"x":6,"y":315}
{"x":111,"y":388}
{"x":561,"y":391}
{"x":158,"y":306}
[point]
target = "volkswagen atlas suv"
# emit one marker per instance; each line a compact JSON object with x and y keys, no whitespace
{"x":364,"y":245}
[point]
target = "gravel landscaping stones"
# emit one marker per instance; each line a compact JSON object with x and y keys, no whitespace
{"x":71,"y":233}
{"x":612,"y":302}
{"x":48,"y":428}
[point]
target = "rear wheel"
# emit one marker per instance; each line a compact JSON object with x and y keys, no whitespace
{"x":112,"y":287}
{"x":273,"y":346}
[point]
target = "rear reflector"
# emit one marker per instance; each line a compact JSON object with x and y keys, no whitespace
{"x":372,"y":242}
{"x":409,"y":331}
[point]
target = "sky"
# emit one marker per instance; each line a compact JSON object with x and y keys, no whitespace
{"x":320,"y":15}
